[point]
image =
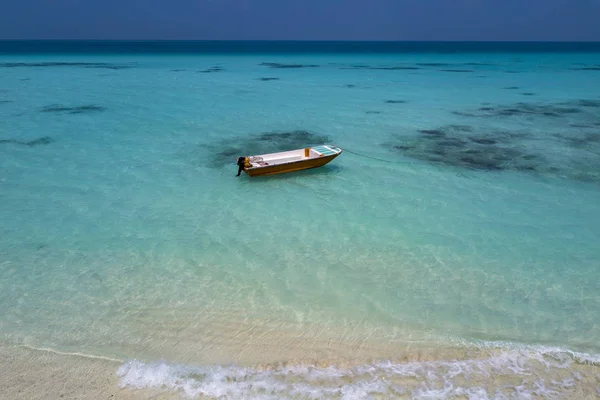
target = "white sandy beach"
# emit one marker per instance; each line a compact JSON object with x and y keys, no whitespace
{"x":38,"y":374}
{"x":46,"y":374}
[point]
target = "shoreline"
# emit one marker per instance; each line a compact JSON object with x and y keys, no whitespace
{"x":46,"y":373}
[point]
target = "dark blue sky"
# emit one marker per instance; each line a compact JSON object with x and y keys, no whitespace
{"x":302,"y":19}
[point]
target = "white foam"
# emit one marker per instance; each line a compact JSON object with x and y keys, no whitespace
{"x":67,"y":353}
{"x":505,"y":374}
{"x":546,"y":352}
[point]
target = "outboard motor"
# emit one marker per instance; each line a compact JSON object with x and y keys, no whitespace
{"x":241,"y":162}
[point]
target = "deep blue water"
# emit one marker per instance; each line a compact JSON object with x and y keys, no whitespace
{"x":286,"y":47}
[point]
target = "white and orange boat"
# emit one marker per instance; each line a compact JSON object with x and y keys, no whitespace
{"x":288,"y":161}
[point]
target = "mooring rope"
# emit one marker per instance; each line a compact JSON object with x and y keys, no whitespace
{"x":375,"y":158}
{"x":436,"y":165}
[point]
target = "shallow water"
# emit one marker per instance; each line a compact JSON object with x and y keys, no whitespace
{"x":475,"y":220}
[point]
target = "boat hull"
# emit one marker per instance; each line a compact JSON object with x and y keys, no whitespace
{"x":291,"y":167}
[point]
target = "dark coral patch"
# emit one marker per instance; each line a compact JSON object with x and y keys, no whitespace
{"x":227,"y":151}
{"x":478,"y":64}
{"x":476,"y":162}
{"x":294,"y":137}
{"x":64,"y":64}
{"x":212,"y":69}
{"x":581,"y":140}
{"x":268,"y":79}
{"x":396,"y":68}
{"x":432,"y":132}
{"x":588,"y":103}
{"x":57,"y":108}
{"x":40,"y":141}
{"x":465,"y":114}
{"x":458,"y":128}
{"x":396,"y":101}
{"x":452,"y":142}
{"x":388,"y":68}
{"x":549,"y":110}
{"x":593,"y":68}
{"x":482,"y":140}
{"x":463,"y":147}
{"x":284,"y":66}
{"x":32,"y":143}
{"x":458,"y":146}
{"x":456,"y":70}
{"x":433,"y":64}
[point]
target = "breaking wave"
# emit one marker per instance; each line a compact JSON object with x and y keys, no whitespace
{"x":549,"y":373}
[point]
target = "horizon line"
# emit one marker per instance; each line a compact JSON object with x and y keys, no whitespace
{"x":302,"y":40}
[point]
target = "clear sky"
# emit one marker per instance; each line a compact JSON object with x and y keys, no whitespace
{"x":302,"y":20}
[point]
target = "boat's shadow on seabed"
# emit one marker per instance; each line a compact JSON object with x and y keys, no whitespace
{"x":327,"y":170}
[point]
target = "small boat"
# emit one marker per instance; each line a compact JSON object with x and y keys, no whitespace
{"x":287,"y":161}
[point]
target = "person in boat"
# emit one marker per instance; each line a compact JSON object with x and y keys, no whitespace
{"x":240,"y":162}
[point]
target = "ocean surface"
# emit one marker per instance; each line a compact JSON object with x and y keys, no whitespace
{"x":451,"y":251}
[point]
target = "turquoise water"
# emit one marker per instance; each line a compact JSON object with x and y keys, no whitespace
{"x":463,"y":212}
